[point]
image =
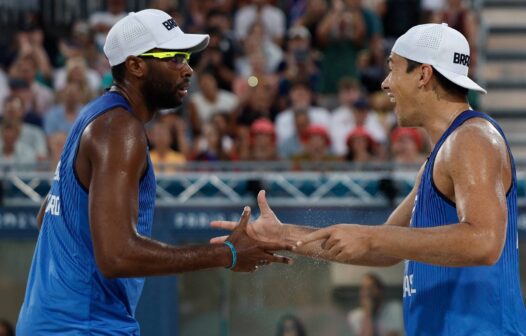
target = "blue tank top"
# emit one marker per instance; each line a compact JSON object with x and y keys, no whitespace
{"x":66,"y":293}
{"x":457,"y":301}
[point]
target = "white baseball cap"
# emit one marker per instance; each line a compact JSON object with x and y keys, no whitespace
{"x":442,"y":47}
{"x":140,"y":32}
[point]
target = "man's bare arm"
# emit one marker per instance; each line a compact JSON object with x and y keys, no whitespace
{"x":116,"y":147}
{"x":269,"y":228}
{"x":479,"y":168}
{"x":400,"y":217}
{"x":475,"y":163}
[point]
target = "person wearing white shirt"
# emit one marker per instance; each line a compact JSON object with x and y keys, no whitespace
{"x":208,"y":101}
{"x":272,"y":17}
{"x":345,"y":118}
{"x":301,"y":98}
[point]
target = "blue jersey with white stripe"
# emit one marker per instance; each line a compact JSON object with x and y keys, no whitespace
{"x":66,"y":292}
{"x":482,"y":300}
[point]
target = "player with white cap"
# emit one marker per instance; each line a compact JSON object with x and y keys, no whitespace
{"x":94,"y":247}
{"x":457,"y":229}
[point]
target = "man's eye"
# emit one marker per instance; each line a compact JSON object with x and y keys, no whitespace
{"x":179,"y":59}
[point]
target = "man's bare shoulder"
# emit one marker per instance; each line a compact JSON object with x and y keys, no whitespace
{"x":116,"y":126}
{"x":476,"y":136}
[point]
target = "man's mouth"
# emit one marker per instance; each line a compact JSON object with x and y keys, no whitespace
{"x":183,"y":89}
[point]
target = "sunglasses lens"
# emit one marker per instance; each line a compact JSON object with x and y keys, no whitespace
{"x":180,"y":59}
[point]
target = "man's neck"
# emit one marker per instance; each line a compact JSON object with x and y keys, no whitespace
{"x":136,"y":100}
{"x":440,"y":115}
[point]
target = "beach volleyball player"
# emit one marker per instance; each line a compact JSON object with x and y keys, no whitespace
{"x":93,"y":242}
{"x":457,"y":229}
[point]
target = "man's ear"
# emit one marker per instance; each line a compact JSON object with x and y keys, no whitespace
{"x":426,"y":73}
{"x":136,"y":66}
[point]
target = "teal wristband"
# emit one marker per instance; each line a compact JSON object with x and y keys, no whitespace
{"x":234,"y":254}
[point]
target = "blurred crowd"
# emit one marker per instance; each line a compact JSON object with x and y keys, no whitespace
{"x":294,"y":80}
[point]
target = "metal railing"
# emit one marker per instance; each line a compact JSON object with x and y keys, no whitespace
{"x":228,"y":183}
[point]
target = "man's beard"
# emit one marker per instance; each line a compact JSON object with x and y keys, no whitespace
{"x":160,"y":93}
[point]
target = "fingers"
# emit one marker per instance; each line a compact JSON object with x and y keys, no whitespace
{"x":314,"y":236}
{"x":218,"y":240}
{"x":329,"y":243}
{"x":226,"y":225}
{"x":245,"y":217}
{"x":262,"y":202}
{"x":277,"y":246}
{"x":280,"y":259}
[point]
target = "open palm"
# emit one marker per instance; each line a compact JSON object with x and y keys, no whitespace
{"x":267,"y":227}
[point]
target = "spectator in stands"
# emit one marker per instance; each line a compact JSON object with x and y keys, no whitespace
{"x":315,"y":9}
{"x":361,"y":147}
{"x":196,"y":16}
{"x":263,"y":141}
{"x":257,"y":102}
{"x":316,"y":147}
{"x":342,"y":32}
{"x":292,"y":145}
{"x":219,"y":57}
{"x":290,"y":325}
{"x":397,"y":17}
{"x":30,"y":44}
{"x":257,"y":44}
{"x":28,"y":135}
{"x":430,"y":7}
{"x":301,"y":62}
{"x":272,"y":18}
{"x":221,"y":123}
{"x":407,"y":145}
{"x":372,"y":22}
{"x":375,"y":316}
{"x":164,"y":159}
{"x":21,"y":89}
{"x":6,"y":329}
{"x":4,"y":88}
{"x":209,"y":100}
{"x":102,"y":21}
{"x":210,"y":147}
{"x":82,"y":37}
{"x":76,"y":70}
{"x":353,"y":112}
{"x":371,"y":67}
{"x":12,"y":149}
{"x":25,"y":68}
{"x":301,"y":101}
{"x":56,"y":143}
{"x":179,"y":132}
{"x":60,"y":118}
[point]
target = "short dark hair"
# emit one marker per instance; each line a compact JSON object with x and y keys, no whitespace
{"x":118,"y":71}
{"x":448,"y":86}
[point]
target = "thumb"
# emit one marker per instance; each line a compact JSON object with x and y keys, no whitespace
{"x":314,"y":236}
{"x":262,"y":202}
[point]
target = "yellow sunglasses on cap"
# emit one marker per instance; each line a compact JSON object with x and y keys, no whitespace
{"x":178,"y":57}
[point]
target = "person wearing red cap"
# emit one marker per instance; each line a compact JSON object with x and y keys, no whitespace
{"x":263,"y":141}
{"x":361,"y":146}
{"x":316,"y":147}
{"x":407,"y":145}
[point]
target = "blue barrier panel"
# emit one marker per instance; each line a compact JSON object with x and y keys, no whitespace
{"x":158,"y":309}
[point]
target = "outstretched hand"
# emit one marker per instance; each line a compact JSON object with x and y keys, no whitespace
{"x":267,"y":228}
{"x":343,"y":243}
{"x":252,"y":253}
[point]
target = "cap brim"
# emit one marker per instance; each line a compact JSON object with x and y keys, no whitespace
{"x":460,"y":80}
{"x":187,"y":42}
